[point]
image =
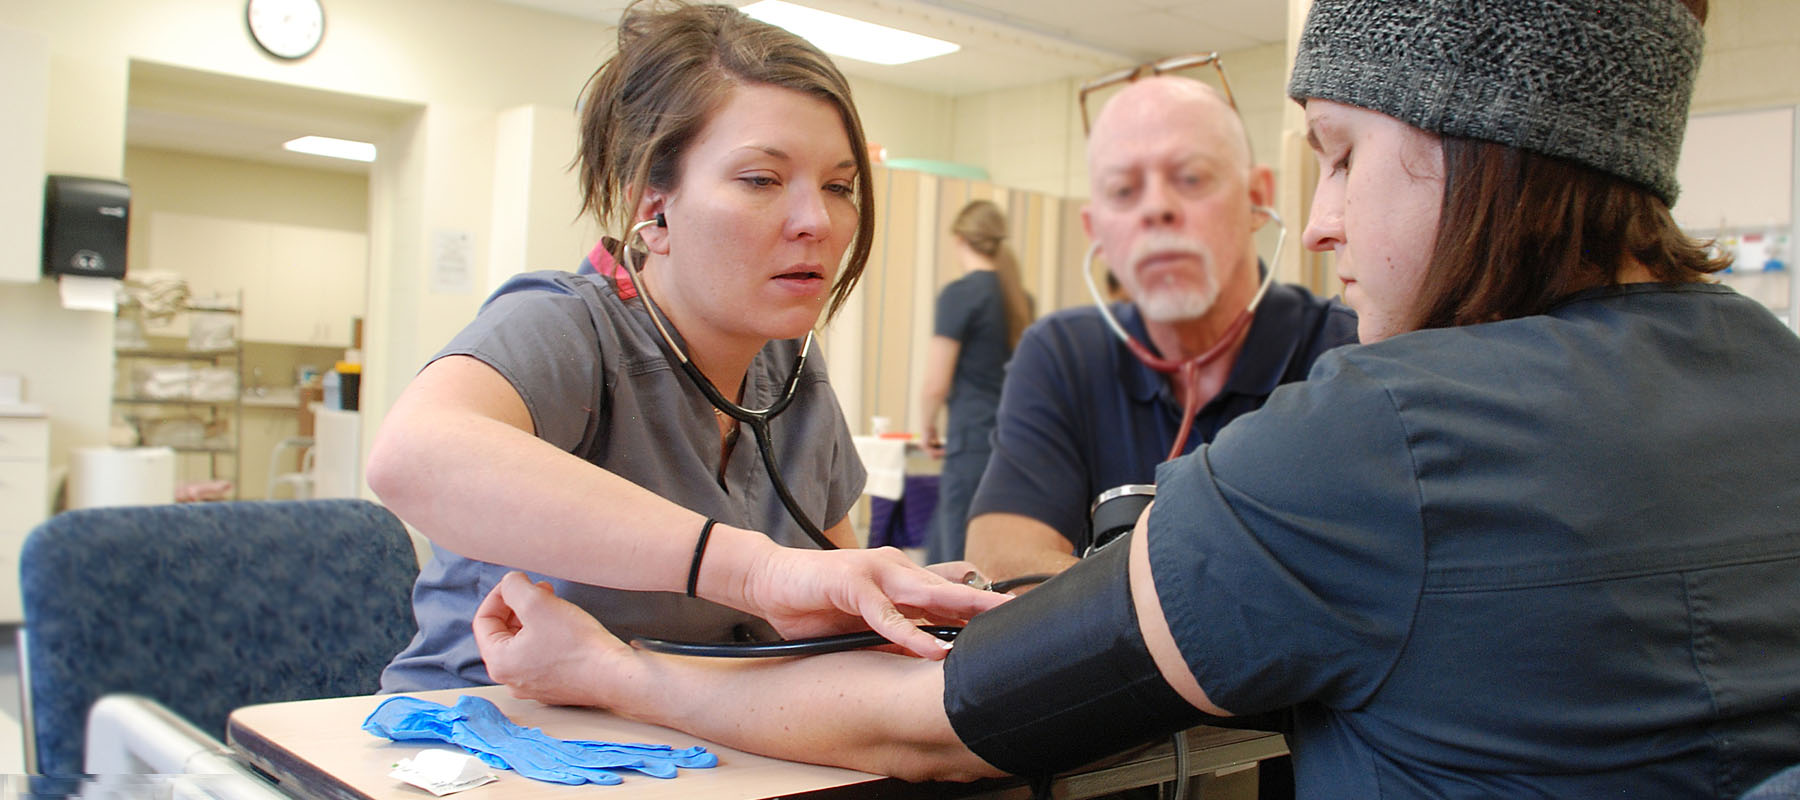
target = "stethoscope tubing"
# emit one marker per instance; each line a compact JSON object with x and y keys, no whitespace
{"x":1187,"y":371}
{"x":1087,"y":275}
{"x":758,"y":420}
{"x":783,"y":649}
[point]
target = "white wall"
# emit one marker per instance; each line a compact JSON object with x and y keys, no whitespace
{"x":1027,"y":138}
{"x":439,"y":176}
{"x":1752,"y":56}
{"x":188,"y":183}
{"x":1031,"y":137}
{"x":537,"y":221}
{"x":482,"y":154}
{"x":451,"y":164}
{"x":907,"y":122}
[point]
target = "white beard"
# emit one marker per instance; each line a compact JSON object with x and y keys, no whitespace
{"x":1180,"y":302}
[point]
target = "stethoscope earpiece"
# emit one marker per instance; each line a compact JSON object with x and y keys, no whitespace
{"x":661,"y":222}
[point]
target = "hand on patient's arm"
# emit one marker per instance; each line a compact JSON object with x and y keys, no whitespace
{"x":1006,"y":546}
{"x":870,"y":711}
{"x":814,"y":593}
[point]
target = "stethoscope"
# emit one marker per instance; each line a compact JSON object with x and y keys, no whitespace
{"x":765,"y":445}
{"x":758,"y":420}
{"x":1188,"y":371}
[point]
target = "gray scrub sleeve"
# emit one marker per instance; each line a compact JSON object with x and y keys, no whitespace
{"x":541,"y":337}
{"x":845,"y":477}
{"x":1289,"y":555}
{"x":593,"y":374}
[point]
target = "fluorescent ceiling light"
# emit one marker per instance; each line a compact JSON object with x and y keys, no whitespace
{"x":850,"y":38}
{"x":333,"y":148}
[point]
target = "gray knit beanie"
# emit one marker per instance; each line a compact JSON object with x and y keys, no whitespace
{"x":1603,"y":83}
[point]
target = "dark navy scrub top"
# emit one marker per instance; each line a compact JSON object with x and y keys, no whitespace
{"x":1556,"y":556}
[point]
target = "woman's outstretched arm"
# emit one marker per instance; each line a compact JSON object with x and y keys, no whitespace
{"x":458,"y":457}
{"x":870,"y":711}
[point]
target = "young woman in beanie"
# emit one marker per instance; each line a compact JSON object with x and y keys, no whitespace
{"x":1535,"y":537}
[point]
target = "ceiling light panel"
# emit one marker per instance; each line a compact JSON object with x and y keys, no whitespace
{"x":332,"y":148}
{"x":850,"y":38}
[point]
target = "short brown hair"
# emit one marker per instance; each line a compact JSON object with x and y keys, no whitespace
{"x":1519,"y":231}
{"x":675,"y":65}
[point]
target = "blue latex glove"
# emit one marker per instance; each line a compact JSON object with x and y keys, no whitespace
{"x":477,"y":726}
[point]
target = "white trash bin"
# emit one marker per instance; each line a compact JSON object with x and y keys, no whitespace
{"x":121,"y":476}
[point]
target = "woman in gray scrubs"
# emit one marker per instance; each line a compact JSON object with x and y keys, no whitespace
{"x":556,"y":435}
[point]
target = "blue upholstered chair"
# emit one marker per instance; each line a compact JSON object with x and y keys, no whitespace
{"x":1783,"y":785}
{"x":206,"y":608}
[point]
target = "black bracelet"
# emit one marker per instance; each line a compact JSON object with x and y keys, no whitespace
{"x":699,"y":553}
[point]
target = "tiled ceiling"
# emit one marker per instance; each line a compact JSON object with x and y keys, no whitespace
{"x":1006,"y":43}
{"x":1009,"y":43}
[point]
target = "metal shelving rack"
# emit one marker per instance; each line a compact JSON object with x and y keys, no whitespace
{"x":220,"y":453}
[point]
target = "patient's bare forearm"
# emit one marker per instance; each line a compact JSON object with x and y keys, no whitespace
{"x":867,"y":711}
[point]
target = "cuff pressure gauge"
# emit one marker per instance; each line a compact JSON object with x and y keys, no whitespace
{"x":1116,"y":512}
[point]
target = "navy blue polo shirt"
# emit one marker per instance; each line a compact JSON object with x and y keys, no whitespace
{"x":1079,"y":414}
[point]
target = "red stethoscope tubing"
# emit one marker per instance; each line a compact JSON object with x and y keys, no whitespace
{"x":1186,"y":371}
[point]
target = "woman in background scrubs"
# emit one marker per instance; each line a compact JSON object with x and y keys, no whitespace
{"x":975,"y":327}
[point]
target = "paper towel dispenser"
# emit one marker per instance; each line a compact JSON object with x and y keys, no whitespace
{"x":86,"y":223}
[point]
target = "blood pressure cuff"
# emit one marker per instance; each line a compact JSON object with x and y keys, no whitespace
{"x":1061,"y":676}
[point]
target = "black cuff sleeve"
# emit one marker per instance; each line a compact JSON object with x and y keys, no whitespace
{"x":1061,"y":676}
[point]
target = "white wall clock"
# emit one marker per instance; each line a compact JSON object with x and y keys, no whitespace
{"x":287,"y":29}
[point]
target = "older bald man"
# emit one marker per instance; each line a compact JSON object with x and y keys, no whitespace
{"x":1173,"y":208}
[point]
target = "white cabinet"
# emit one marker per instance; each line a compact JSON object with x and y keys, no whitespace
{"x":310,"y":287}
{"x":24,"y":495}
{"x":210,"y":255}
{"x":300,"y":285}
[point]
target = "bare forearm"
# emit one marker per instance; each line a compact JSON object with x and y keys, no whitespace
{"x":931,"y":409}
{"x":525,"y":503}
{"x":867,"y":711}
{"x":1006,"y":546}
{"x":940,"y":367}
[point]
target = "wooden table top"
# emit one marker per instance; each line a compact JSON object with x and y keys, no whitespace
{"x":318,"y":750}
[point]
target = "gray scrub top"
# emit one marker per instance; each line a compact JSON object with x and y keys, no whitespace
{"x":594,"y":375}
